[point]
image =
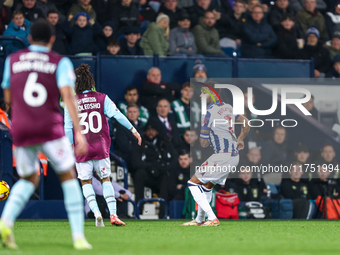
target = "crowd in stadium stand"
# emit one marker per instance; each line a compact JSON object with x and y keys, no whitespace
{"x":297,"y":29}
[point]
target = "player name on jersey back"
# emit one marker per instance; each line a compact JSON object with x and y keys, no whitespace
{"x":34,"y":62}
{"x":35,"y":95}
{"x":88,"y":103}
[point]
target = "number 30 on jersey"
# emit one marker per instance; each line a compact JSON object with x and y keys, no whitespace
{"x":86,"y":120}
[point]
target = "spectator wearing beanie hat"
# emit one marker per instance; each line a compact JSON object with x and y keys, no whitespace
{"x":335,"y":71}
{"x":333,"y":45}
{"x":199,"y":70}
{"x":182,"y":41}
{"x":155,"y":38}
{"x":82,"y":34}
{"x":313,"y":49}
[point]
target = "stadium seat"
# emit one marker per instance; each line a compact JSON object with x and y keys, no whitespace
{"x":121,"y":37}
{"x":328,"y":112}
{"x":272,"y":188}
{"x":229,"y":51}
{"x":176,"y":209}
{"x":281,"y":209}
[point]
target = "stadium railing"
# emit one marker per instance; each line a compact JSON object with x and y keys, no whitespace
{"x":159,"y":200}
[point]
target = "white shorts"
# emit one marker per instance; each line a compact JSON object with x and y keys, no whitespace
{"x":217,"y":168}
{"x":102,"y":168}
{"x":59,"y":152}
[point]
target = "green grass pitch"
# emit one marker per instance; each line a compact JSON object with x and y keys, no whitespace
{"x":168,"y":237}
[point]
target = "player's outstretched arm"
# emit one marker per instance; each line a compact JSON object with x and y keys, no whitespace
{"x":111,"y":110}
{"x":136,"y":135}
{"x":244,"y":131}
{"x":70,"y":101}
{"x":7,"y":96}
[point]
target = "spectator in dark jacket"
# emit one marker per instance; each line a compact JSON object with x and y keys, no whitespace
{"x":328,"y":157}
{"x":60,"y":43}
{"x":179,"y":175}
{"x":30,"y":10}
{"x":221,"y":12}
{"x":311,"y":108}
{"x":146,"y":11}
{"x":313,"y":49}
{"x":296,"y":189}
{"x":181,"y":40}
{"x":169,"y":7}
{"x":287,"y":39}
{"x":153,"y":89}
{"x":82,"y":34}
{"x":107,"y":33}
{"x":167,"y":126}
{"x":124,"y":140}
{"x":113,"y":48}
{"x":129,"y":44}
{"x":324,"y":183}
{"x":335,"y":71}
{"x":274,"y":152}
{"x":125,"y":15}
{"x":151,"y":162}
{"x":198,"y":10}
{"x":230,"y":25}
{"x":248,"y":188}
{"x":258,"y":36}
{"x":6,"y":15}
{"x":46,"y":5}
{"x":277,"y":11}
{"x":20,"y":27}
{"x":333,"y":19}
{"x":103,"y":9}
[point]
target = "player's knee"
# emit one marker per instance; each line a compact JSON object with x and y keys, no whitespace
{"x":84,"y":182}
{"x":106,"y":179}
{"x":34,"y":178}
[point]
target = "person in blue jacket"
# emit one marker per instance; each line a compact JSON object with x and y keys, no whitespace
{"x":20,"y":27}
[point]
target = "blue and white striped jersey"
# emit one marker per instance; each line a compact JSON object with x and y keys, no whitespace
{"x":222,"y":135}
